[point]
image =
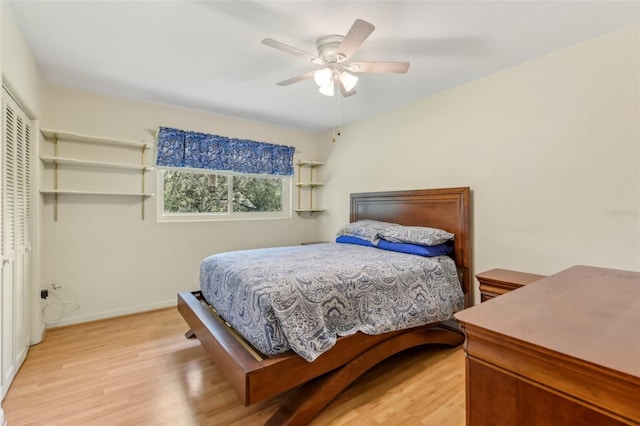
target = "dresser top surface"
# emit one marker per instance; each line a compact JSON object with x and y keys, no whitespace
{"x":584,"y":312}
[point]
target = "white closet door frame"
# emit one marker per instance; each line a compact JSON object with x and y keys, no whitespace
{"x":23,"y":245}
{"x":15,"y":239}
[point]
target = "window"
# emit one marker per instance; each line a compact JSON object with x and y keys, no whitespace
{"x":207,"y":177}
{"x":205,"y":195}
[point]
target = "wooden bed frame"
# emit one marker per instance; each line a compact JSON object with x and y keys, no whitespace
{"x":256,"y":377}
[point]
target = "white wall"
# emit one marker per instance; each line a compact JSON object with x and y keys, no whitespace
{"x":100,"y":250}
{"x":550,"y":149}
{"x":19,"y":70}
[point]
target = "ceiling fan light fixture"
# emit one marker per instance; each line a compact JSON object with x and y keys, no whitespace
{"x":327,"y":89}
{"x":348,"y":80}
{"x":323,"y":76}
{"x":333,"y":64}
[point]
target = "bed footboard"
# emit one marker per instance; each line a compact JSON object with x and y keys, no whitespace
{"x":255,"y":379}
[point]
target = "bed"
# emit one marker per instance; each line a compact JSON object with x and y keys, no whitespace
{"x":256,"y":377}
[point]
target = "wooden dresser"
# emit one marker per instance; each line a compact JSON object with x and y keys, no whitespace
{"x":500,"y":281}
{"x":564,"y":350}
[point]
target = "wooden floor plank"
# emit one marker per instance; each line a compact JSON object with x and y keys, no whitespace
{"x":141,"y":370}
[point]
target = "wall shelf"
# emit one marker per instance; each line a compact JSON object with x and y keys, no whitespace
{"x":74,"y":192}
{"x":309,"y":186}
{"x":77,"y":162}
{"x":77,"y":137}
{"x":310,"y":163}
{"x":58,"y":136}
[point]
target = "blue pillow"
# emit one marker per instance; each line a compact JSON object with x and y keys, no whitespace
{"x":426,"y":251}
{"x":348,"y":239}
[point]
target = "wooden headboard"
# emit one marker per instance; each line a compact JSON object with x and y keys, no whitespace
{"x":446,"y":208}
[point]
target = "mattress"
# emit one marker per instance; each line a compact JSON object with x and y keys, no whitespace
{"x":302,"y":298}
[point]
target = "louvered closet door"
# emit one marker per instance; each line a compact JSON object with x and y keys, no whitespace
{"x":16,"y":237}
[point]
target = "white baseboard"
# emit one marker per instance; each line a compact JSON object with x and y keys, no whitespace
{"x":39,"y":337}
{"x":2,"y":422}
{"x":115,"y":313}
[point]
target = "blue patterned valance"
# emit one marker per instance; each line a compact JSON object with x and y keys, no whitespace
{"x":179,"y":148}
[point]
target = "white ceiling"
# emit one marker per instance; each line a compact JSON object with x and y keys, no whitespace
{"x":208,"y":55}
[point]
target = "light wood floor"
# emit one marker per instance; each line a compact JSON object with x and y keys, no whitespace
{"x":141,"y":370}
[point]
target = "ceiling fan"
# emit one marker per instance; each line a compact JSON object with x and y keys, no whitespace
{"x":334,"y":67}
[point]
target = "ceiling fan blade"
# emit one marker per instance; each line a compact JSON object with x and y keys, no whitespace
{"x":357,"y":34}
{"x":344,"y":91}
{"x":295,"y":79}
{"x":379,"y":67}
{"x":286,"y":48}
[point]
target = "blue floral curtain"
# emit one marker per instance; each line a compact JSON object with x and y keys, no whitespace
{"x":179,"y":148}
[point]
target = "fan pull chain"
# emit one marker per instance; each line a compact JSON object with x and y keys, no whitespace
{"x":334,"y":116}
{"x":337,"y":115}
{"x":339,"y":101}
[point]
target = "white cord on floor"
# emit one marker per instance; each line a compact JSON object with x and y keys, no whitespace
{"x":62,"y":305}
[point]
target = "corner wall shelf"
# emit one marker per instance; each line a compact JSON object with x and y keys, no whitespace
{"x":309,"y":186}
{"x":57,"y":136}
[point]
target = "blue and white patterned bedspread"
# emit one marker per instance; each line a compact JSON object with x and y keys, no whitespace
{"x":304,"y":297}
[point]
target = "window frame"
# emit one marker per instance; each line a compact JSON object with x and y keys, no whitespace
{"x":230,"y":215}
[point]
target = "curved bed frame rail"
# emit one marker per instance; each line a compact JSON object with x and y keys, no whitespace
{"x":315,"y":395}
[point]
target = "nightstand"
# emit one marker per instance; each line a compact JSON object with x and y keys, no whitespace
{"x":499,"y":281}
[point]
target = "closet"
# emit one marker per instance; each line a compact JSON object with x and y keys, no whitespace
{"x":15,"y":239}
